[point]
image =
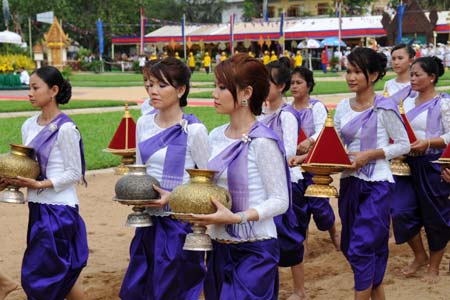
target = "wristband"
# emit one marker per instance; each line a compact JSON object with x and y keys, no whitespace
{"x":243,"y":217}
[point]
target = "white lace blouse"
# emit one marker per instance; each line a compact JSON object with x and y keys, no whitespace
{"x":388,"y":126}
{"x":392,"y":86}
{"x":289,"y":126}
{"x":419,"y":124}
{"x":64,"y":164}
{"x":146,"y":106}
{"x":197,"y":151}
{"x":268,"y":192}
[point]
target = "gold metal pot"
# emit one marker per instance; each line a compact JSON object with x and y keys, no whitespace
{"x":18,"y":162}
{"x":136,"y":189}
{"x":195,"y":197}
{"x":128,"y":157}
{"x":399,"y":167}
{"x":322,"y":179}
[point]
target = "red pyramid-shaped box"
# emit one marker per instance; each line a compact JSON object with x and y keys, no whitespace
{"x":446,"y":155}
{"x":409,"y":130}
{"x":328,"y":149}
{"x":125,"y":136}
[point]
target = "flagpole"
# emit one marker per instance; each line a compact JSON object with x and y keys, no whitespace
{"x":231,"y":33}
{"x":30,"y":42}
{"x":282,"y":32}
{"x":183,"y":23}
{"x":340,"y":26}
{"x":141,"y":50}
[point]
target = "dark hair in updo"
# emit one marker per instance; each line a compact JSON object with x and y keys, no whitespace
{"x":280,"y":72}
{"x":369,"y":62}
{"x":51,"y":76}
{"x":307,"y":75}
{"x":148,"y":66}
{"x":174,"y":72}
{"x":240,"y":71}
{"x":408,"y":48}
{"x":432,"y":65}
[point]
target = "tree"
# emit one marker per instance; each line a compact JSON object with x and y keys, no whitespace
{"x":249,"y":10}
{"x":426,"y":4}
{"x":355,"y":7}
{"x":203,"y":11}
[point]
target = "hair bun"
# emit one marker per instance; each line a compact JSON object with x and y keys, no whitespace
{"x":65,"y":92}
{"x":382,"y":61}
{"x":285,"y":62}
{"x":440,"y":65}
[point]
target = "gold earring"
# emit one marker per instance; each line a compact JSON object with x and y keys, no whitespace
{"x":244,"y":102}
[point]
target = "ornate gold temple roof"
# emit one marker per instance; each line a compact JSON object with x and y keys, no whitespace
{"x":55,"y":37}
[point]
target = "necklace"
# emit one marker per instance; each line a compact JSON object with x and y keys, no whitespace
{"x":420,"y":101}
{"x":361,"y":106}
{"x":300,"y":106}
{"x":238,"y":133}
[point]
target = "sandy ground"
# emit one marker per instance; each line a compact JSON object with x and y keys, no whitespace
{"x":328,"y":276}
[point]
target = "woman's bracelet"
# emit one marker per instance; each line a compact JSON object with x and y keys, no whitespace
{"x":429,"y":144}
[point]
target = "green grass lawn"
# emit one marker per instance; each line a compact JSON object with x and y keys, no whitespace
{"x":17,"y":106}
{"x":123,"y":79}
{"x":321,"y":88}
{"x":132,"y":79}
{"x":97,"y":131}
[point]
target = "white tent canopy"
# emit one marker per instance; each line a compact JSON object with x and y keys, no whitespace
{"x":10,"y":37}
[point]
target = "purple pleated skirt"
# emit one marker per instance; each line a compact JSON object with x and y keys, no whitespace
{"x":159,"y":268}
{"x":319,"y":208}
{"x":364,"y":212}
{"x":290,"y":238}
{"x":405,"y":210}
{"x":245,"y":271}
{"x":56,"y":251}
{"x":433,"y":194}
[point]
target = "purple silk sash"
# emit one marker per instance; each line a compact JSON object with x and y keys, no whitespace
{"x":403,"y":94}
{"x":367,"y":122}
{"x":175,"y":139}
{"x":43,"y":144}
{"x":235,"y":158}
{"x":306,"y":118}
{"x":274,"y":121}
{"x":433,"y":128}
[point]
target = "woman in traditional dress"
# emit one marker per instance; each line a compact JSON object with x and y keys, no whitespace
{"x":404,"y":204}
{"x":313,"y":114}
{"x":365,"y":123}
{"x":402,"y":58}
{"x":57,"y":248}
{"x":429,"y":115}
{"x":284,"y":120}
{"x":252,"y":166}
{"x":169,"y":142}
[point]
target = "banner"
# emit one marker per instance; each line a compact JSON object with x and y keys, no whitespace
{"x":266,"y":10}
{"x":101,"y":44}
{"x":6,"y":13}
{"x":45,"y":17}
{"x":400,"y":13}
